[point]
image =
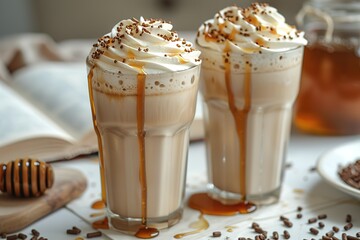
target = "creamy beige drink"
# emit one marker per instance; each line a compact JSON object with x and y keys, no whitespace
{"x":143,"y":84}
{"x":250,"y":79}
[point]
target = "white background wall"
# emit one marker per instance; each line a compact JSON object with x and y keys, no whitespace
{"x":68,"y":19}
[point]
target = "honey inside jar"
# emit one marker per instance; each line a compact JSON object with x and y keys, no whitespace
{"x":329,"y":99}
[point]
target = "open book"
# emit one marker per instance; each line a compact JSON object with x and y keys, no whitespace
{"x":45,"y":113}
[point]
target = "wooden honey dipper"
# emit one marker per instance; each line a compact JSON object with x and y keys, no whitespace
{"x":26,"y":177}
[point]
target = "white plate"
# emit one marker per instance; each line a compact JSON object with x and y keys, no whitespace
{"x":329,"y":162}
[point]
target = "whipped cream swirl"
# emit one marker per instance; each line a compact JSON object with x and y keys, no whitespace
{"x":258,"y":28}
{"x":143,"y":46}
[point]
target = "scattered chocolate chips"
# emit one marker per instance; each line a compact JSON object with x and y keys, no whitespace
{"x":299,"y":209}
{"x":335,"y":229}
{"x":348,"y":218}
{"x":258,"y":230}
{"x":312,"y":169}
{"x":351,"y":237}
{"x":76,"y":229}
{"x":329,"y":234}
{"x":94,"y":234}
{"x":299,"y":215}
{"x":22,"y":236}
{"x":322,"y":216}
{"x":216,"y":234}
{"x":314,"y":231}
{"x":12,"y":237}
{"x":254,"y":225}
{"x":72,"y":232}
{"x":312,"y":220}
{"x":288,"y":224}
{"x":275,"y":235}
{"x":282,"y":218}
{"x":344,"y":236}
{"x":348,"y":226}
{"x":321,"y":224}
{"x":35,"y":232}
{"x":286,"y":234}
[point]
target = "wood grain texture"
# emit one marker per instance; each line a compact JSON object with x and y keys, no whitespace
{"x":17,"y":213}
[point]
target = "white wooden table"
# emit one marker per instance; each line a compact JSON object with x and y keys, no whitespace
{"x":302,"y":187}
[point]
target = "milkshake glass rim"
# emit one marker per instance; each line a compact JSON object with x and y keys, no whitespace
{"x":239,"y":53}
{"x":91,"y":64}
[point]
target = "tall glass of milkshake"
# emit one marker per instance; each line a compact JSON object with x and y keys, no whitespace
{"x":250,"y":79}
{"x":143,"y":82}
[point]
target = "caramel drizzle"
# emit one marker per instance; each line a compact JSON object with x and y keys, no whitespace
{"x":144,"y":231}
{"x":200,"y":225}
{"x":101,"y":155}
{"x":240,"y":115}
{"x":140,"y":106}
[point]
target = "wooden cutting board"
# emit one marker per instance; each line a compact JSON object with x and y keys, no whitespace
{"x":18,"y":213}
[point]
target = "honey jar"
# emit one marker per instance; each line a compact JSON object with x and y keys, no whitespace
{"x":329,"y":98}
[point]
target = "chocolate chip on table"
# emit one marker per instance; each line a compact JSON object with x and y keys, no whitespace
{"x":22,"y":236}
{"x":286,"y":234}
{"x":258,"y":230}
{"x":326,"y":238}
{"x":351,"y":237}
{"x":335,"y":229}
{"x":275,"y":235}
{"x":216,"y":234}
{"x":321,"y":224}
{"x":35,"y":232}
{"x":329,"y":234}
{"x":76,"y":229}
{"x":322,"y":216}
{"x":348,"y":218}
{"x":288,"y":224}
{"x":94,"y":234}
{"x":314,"y":231}
{"x":348,"y":226}
{"x":12,"y":237}
{"x":72,"y":232}
{"x":299,"y":215}
{"x":312,"y":220}
{"x":254,"y":225}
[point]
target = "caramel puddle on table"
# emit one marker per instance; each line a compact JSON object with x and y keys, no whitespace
{"x":230,"y":228}
{"x":99,"y":204}
{"x":98,"y":214}
{"x":101,"y":224}
{"x":202,"y":201}
{"x":200,"y":225}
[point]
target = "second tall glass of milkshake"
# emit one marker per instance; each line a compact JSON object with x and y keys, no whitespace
{"x":250,"y":79}
{"x":143,"y":83}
